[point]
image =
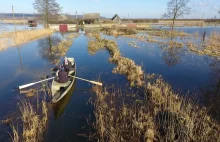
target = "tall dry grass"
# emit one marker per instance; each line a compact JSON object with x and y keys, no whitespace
{"x":16,"y":38}
{"x":156,"y":113}
{"x":34,"y":123}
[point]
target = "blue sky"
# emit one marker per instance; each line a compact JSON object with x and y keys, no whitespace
{"x":107,"y":8}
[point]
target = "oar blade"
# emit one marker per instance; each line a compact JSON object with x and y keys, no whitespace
{"x":25,"y":86}
{"x":97,"y":83}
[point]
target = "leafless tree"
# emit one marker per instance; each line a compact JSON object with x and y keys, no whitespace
{"x":47,"y":10}
{"x":175,"y":9}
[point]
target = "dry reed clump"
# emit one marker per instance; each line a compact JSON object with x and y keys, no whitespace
{"x":119,"y":31}
{"x":124,"y":65}
{"x":174,"y":44}
{"x":34,"y":123}
{"x":161,"y":115}
{"x":92,"y":32}
{"x":16,"y":38}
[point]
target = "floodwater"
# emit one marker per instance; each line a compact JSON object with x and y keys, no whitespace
{"x":183,"y":70}
{"x":10,"y":27}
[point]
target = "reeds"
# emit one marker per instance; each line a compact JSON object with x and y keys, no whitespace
{"x":16,"y":38}
{"x":159,"y":115}
{"x":34,"y":123}
{"x":124,"y":66}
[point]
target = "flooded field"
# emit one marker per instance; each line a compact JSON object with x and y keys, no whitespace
{"x":70,"y":120}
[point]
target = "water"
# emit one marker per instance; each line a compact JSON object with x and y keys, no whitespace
{"x":10,"y":27}
{"x":182,"y":69}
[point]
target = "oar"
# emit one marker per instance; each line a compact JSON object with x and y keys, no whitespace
{"x":31,"y":84}
{"x":94,"y":82}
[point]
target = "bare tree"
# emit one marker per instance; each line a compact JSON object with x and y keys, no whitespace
{"x":47,"y":10}
{"x":175,"y":9}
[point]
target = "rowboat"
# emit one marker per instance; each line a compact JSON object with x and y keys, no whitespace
{"x":59,"y":107}
{"x":59,"y":90}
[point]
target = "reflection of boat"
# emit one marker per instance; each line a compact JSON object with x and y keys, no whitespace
{"x":59,"y":90}
{"x":59,"y":107}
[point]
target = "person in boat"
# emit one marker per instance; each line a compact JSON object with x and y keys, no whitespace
{"x":67,"y":65}
{"x":62,"y":75}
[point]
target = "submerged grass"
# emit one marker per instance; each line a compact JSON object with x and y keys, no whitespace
{"x":124,"y":65}
{"x":16,"y":38}
{"x":34,"y":123}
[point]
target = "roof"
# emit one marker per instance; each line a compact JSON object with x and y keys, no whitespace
{"x":116,"y":15}
{"x":91,"y":16}
{"x":63,"y":17}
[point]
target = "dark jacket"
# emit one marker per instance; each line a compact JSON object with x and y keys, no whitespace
{"x":63,"y":76}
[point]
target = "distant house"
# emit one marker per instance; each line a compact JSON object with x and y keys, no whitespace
{"x":91,"y":18}
{"x":116,"y":19}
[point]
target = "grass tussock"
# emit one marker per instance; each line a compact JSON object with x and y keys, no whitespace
{"x":159,"y":115}
{"x":124,"y":66}
{"x":34,"y":123}
{"x":116,"y":31}
{"x":20,"y":37}
{"x":92,"y":32}
{"x":174,"y":44}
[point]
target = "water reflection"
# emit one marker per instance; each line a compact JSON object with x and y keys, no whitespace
{"x":211,"y":93}
{"x":46,"y":45}
{"x":171,"y":56}
{"x":20,"y":58}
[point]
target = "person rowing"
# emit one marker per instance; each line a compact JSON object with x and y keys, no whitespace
{"x":67,"y":65}
{"x":62,"y":75}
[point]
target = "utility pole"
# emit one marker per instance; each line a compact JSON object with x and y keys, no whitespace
{"x":202,"y":20}
{"x":13,"y":18}
{"x":76,"y":15}
{"x":128,"y":17}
